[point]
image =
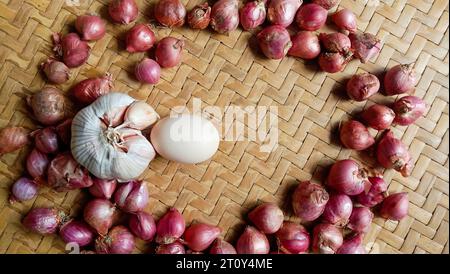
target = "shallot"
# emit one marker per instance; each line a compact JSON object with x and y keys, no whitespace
{"x":220,"y":246}
{"x":88,"y":90}
{"x":352,"y":245}
{"x":199,"y":237}
{"x":361,"y":86}
{"x":292,"y":238}
{"x":123,"y":11}
{"x":225,"y":16}
{"x":354,"y":135}
{"x":13,"y":138}
{"x":100,"y":214}
{"x":311,"y":17}
{"x":309,"y":200}
{"x":57,"y":72}
{"x":335,"y":42}
{"x":76,"y":232}
{"x":23,"y":189}
{"x":91,"y":27}
{"x":274,"y":41}
{"x":102,"y":188}
{"x":252,"y":242}
{"x":140,"y":38}
{"x":64,"y":174}
{"x":143,"y":225}
{"x":360,"y":219}
{"x":172,"y":248}
{"x":365,"y":46}
{"x":170,"y":227}
{"x":170,"y":13}
{"x":252,"y":14}
{"x":378,"y":116}
{"x":48,"y":105}
{"x":327,"y":4}
{"x":282,"y":12}
{"x":327,"y":239}
{"x":148,"y":71}
{"x":347,"y":177}
{"x":132,"y":196}
{"x":392,"y":153}
{"x":338,"y":210}
{"x":395,"y":206}
{"x":375,"y":194}
{"x":168,"y":52}
{"x":44,"y":220}
{"x":267,"y":217}
{"x":119,"y":240}
{"x":71,"y":48}
{"x":200,"y":16}
{"x":46,"y":140}
{"x":345,"y":19}
{"x":333,"y":62}
{"x":408,"y":109}
{"x":37,"y":163}
{"x":64,"y":131}
{"x":400,"y":79}
{"x":305,"y":44}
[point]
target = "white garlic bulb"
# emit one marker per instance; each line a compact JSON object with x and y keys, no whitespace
{"x":102,"y":142}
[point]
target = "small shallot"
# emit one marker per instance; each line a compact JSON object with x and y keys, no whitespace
{"x":352,"y":245}
{"x":327,"y":239}
{"x":400,"y":79}
{"x":140,"y":38}
{"x":360,"y":219}
{"x":57,"y":72}
{"x":143,"y":225}
{"x":148,"y":71}
{"x":64,"y":131}
{"x":408,"y":109}
{"x":91,"y":27}
{"x":305,"y":44}
{"x":170,"y":227}
{"x":335,"y":42}
{"x":172,"y":248}
{"x":392,"y":153}
{"x":274,"y":41}
{"x":132,"y":196}
{"x":267,"y":217}
{"x":46,"y":140}
{"x":225,"y":16}
{"x":99,"y":214}
{"x":282,"y":12}
{"x":252,"y":242}
{"x":338,"y":210}
{"x":23,"y":189}
{"x":200,"y":16}
{"x":48,"y":105}
{"x":311,"y":17}
{"x":222,"y":247}
{"x":347,"y":177}
{"x":88,"y":90}
{"x":64,"y":174}
{"x":71,"y":48}
{"x":37,"y":163}
{"x":378,"y":116}
{"x":361,"y":86}
{"x":13,"y":138}
{"x":354,"y":135}
{"x":252,"y":14}
{"x":119,"y":240}
{"x":345,"y":19}
{"x":365,"y":46}
{"x":102,"y":188}
{"x":168,"y":52}
{"x":333,"y":62}
{"x":292,"y":238}
{"x":199,"y":237}
{"x":309,"y":200}
{"x":76,"y":232}
{"x":327,"y":4}
{"x":395,"y":206}
{"x":123,"y":11}
{"x":375,"y":194}
{"x":170,"y":13}
{"x":44,"y":220}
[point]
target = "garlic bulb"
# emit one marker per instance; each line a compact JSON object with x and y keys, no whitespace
{"x":104,"y":144}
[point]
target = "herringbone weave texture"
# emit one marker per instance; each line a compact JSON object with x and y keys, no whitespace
{"x":223,"y":71}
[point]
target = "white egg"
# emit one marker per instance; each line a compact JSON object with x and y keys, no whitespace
{"x":185,"y":138}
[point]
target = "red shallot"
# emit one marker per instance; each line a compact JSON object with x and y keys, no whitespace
{"x":360,"y":219}
{"x":252,"y":242}
{"x":119,"y":240}
{"x":46,"y":140}
{"x":365,"y":46}
{"x":76,"y":232}
{"x":309,"y":200}
{"x":352,"y":245}
{"x":335,"y":42}
{"x":327,"y":4}
{"x":282,"y":12}
{"x":347,"y":177}
{"x":37,"y":163}
{"x":64,"y":131}
{"x":392,"y":153}
{"x":148,"y":71}
{"x":338,"y":210}
{"x":395,"y":206}
{"x":252,"y":14}
{"x":267,"y":217}
{"x":170,"y":13}
{"x":408,"y":109}
{"x":90,"y":27}
{"x":225,"y":16}
{"x":222,"y":247}
{"x":361,"y":86}
{"x":13,"y":138}
{"x":400,"y":79}
{"x":23,"y":189}
{"x":64,"y":174}
{"x":375,"y":194}
{"x":305,"y":44}
{"x":172,"y":248}
{"x":102,"y":188}
{"x":48,"y":105}
{"x":168,"y":52}
{"x":44,"y":220}
{"x":140,"y":38}
{"x":71,"y":48}
{"x":327,"y":239}
{"x":88,"y":90}
{"x":143,"y":225}
{"x":292,"y":238}
{"x":170,"y":227}
{"x":274,"y":41}
{"x":354,"y":135}
{"x":200,"y":16}
{"x":100,"y":214}
{"x":311,"y":17}
{"x":333,"y":62}
{"x":123,"y":11}
{"x":199,"y":237}
{"x":57,"y":72}
{"x":378,"y":116}
{"x":345,"y":19}
{"x":132,"y":197}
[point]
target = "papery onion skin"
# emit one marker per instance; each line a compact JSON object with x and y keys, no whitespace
{"x":23,"y":189}
{"x":327,"y":4}
{"x":225,"y":16}
{"x":282,"y":12}
{"x":13,"y":138}
{"x":200,"y":16}
{"x":76,"y":232}
{"x":64,"y":131}
{"x":119,"y":240}
{"x":44,"y":220}
{"x":46,"y":140}
{"x":88,"y":90}
{"x":199,"y":237}
{"x":333,"y":62}
{"x":102,"y":188}
{"x":292,"y":238}
{"x":327,"y":239}
{"x":338,"y":210}
{"x":99,"y":214}
{"x":375,"y":194}
{"x":395,"y":206}
{"x":74,"y":51}
{"x":335,"y":42}
{"x":267,"y":217}
{"x":354,"y":135}
{"x":252,"y":14}
{"x":274,"y":41}
{"x":132,"y":197}
{"x":378,"y":116}
{"x":345,"y":19}
{"x":392,"y":153}
{"x":48,"y":105}
{"x":408,"y":109}
{"x":311,"y":17}
{"x":305,"y":44}
{"x":64,"y":174}
{"x":90,"y":27}
{"x":170,"y":227}
{"x":352,"y":245}
{"x":123,"y":11}
{"x":252,"y":242}
{"x":168,"y":52}
{"x":143,"y":226}
{"x":170,"y":13}
{"x":400,"y":79}
{"x":37,"y":163}
{"x":172,"y":248}
{"x":140,"y":38}
{"x":57,"y":72}
{"x":365,"y":46}
{"x":220,"y":246}
{"x":148,"y":71}
{"x":347,"y":177}
{"x":309,"y":200}
{"x":360,"y":220}
{"x":362,"y":86}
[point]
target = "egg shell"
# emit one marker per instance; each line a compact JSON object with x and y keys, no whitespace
{"x":185,"y":138}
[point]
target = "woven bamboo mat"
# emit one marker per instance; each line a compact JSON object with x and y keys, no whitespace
{"x":222,"y":71}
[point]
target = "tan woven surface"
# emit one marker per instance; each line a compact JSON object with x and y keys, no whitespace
{"x":224,"y":70}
